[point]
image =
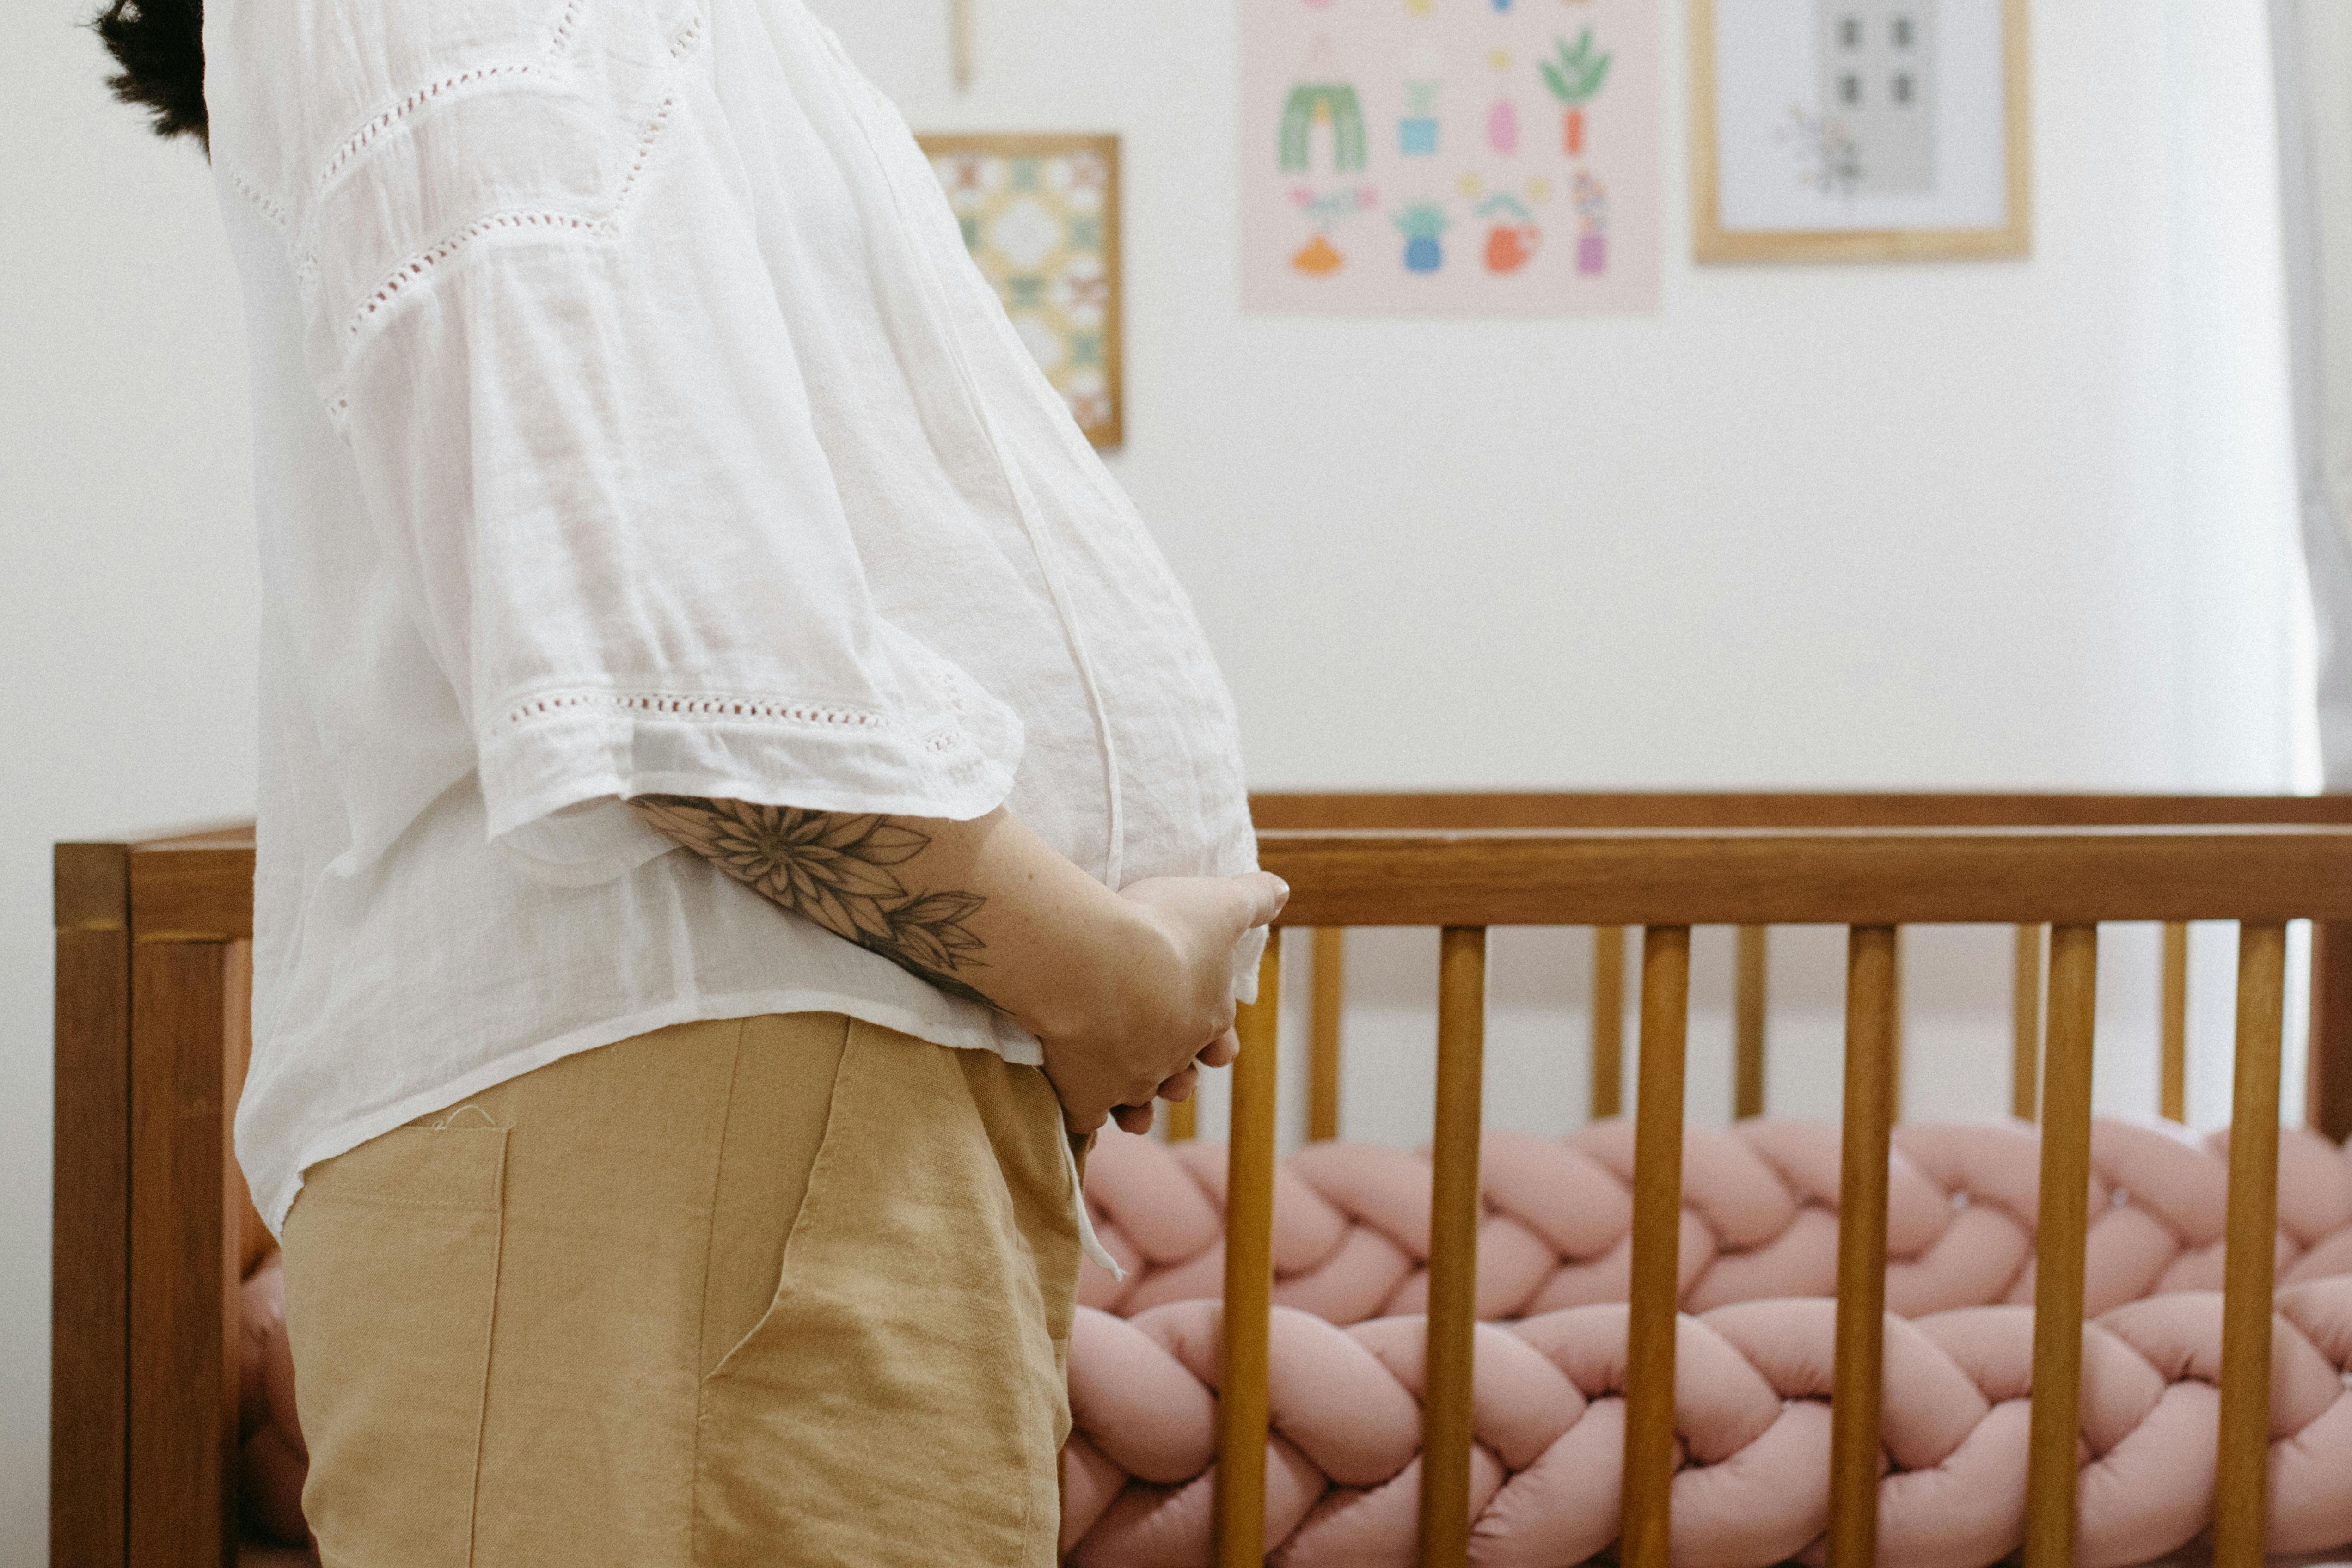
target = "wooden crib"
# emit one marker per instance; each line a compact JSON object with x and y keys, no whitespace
{"x":2328,"y":1087}
{"x":1874,"y":881}
{"x":153,"y":1229}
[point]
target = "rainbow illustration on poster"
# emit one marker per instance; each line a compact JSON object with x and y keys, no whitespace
{"x":1418,"y":157}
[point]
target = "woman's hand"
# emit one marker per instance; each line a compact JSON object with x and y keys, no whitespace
{"x":1138,"y":1118}
{"x":1126,"y":990}
{"x":1163,"y":1003}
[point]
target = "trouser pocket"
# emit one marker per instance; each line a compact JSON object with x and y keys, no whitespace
{"x":902,"y":1400}
{"x":392,"y":1265}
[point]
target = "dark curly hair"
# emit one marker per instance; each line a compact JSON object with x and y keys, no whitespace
{"x":160,"y":45}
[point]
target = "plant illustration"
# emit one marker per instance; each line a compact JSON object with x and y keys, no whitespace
{"x":1827,"y":157}
{"x":1318,"y":258}
{"x":1314,"y":103}
{"x":1417,"y":132}
{"x":1512,"y":240}
{"x":1590,"y":198}
{"x":1503,"y":126}
{"x":1422,"y":223}
{"x":1574,"y":76}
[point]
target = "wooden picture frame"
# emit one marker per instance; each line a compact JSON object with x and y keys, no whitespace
{"x":1712,"y":241}
{"x":1063,"y":292}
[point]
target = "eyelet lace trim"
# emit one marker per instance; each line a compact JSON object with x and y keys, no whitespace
{"x":450,"y":86}
{"x":419,"y":267}
{"x":686,"y":38}
{"x":561,"y":39}
{"x":548,"y":705}
{"x":261,"y":201}
{"x":650,"y":133}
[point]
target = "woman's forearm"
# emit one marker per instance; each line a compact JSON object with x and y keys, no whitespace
{"x":983,"y":910}
{"x":1124,"y":991}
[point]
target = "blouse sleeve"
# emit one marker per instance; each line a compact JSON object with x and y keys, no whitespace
{"x":543,"y":318}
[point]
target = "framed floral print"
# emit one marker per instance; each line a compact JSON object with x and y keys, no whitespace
{"x":1859,"y":130}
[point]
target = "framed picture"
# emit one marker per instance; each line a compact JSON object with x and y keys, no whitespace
{"x":1451,"y":157}
{"x":1859,"y":130}
{"x":1040,"y":214}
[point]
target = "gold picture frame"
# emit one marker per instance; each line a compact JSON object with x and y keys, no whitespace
{"x":1056,"y":266}
{"x":1713,"y":242}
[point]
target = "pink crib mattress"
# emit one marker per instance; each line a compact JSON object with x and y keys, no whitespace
{"x":1755,"y":1350}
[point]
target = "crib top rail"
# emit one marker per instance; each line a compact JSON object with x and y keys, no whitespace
{"x":1780,"y":875}
{"x":1451,"y":809}
{"x":195,"y":886}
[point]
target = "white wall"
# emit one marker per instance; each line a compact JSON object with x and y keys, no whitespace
{"x":126,"y":584}
{"x":1998,"y":525}
{"x":2009,"y":524}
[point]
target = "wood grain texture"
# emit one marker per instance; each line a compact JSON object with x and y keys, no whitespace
{"x":1454,"y":1212}
{"x":1858,"y":1379}
{"x":1894,"y":1034}
{"x":252,"y":1239}
{"x":182,"y":1447}
{"x":2328,"y":1097}
{"x":2025,"y":1023}
{"x":2059,"y":1232}
{"x":201,"y":892}
{"x":1608,"y":1056}
{"x":89,"y":1248}
{"x":1644,"y":1538}
{"x":1767,"y":876}
{"x":1452,"y":809}
{"x":2172,"y":1065}
{"x":2249,"y":1262}
{"x":1749,"y":1009}
{"x":1242,"y":1408}
{"x":1327,"y":1009}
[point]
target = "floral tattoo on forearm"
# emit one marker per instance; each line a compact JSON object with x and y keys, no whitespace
{"x":831,"y":868}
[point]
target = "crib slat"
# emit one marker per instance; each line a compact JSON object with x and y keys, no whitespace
{"x":1182,"y":1118}
{"x":1894,"y":1037}
{"x":2025,"y":1023}
{"x":1330,"y":994}
{"x":2173,"y":1092}
{"x":1657,"y":1246}
{"x":1859,"y":1377}
{"x":1249,"y":1278}
{"x":1454,"y":1212}
{"x":1608,"y":1021}
{"x":2050,"y":1478}
{"x":1748,"y":1006}
{"x":2241,"y":1481}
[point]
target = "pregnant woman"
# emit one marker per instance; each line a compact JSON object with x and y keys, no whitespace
{"x":743,"y":799}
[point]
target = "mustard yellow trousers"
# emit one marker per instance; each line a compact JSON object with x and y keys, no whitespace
{"x":791,"y":1290}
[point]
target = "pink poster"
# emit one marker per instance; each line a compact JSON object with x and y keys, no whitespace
{"x":1450,"y":157}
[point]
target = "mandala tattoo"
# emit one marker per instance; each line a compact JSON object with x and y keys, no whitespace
{"x":830,"y":867}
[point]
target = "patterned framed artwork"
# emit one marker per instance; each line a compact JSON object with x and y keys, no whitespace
{"x":1040,"y":213}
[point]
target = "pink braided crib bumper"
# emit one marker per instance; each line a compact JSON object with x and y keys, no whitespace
{"x":1756,"y":1349}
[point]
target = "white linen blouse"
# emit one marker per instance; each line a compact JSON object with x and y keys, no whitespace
{"x":629,"y":419}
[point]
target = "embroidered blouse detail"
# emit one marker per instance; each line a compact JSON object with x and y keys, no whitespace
{"x":629,"y":419}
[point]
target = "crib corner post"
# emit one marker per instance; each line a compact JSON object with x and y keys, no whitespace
{"x":1243,"y":1416}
